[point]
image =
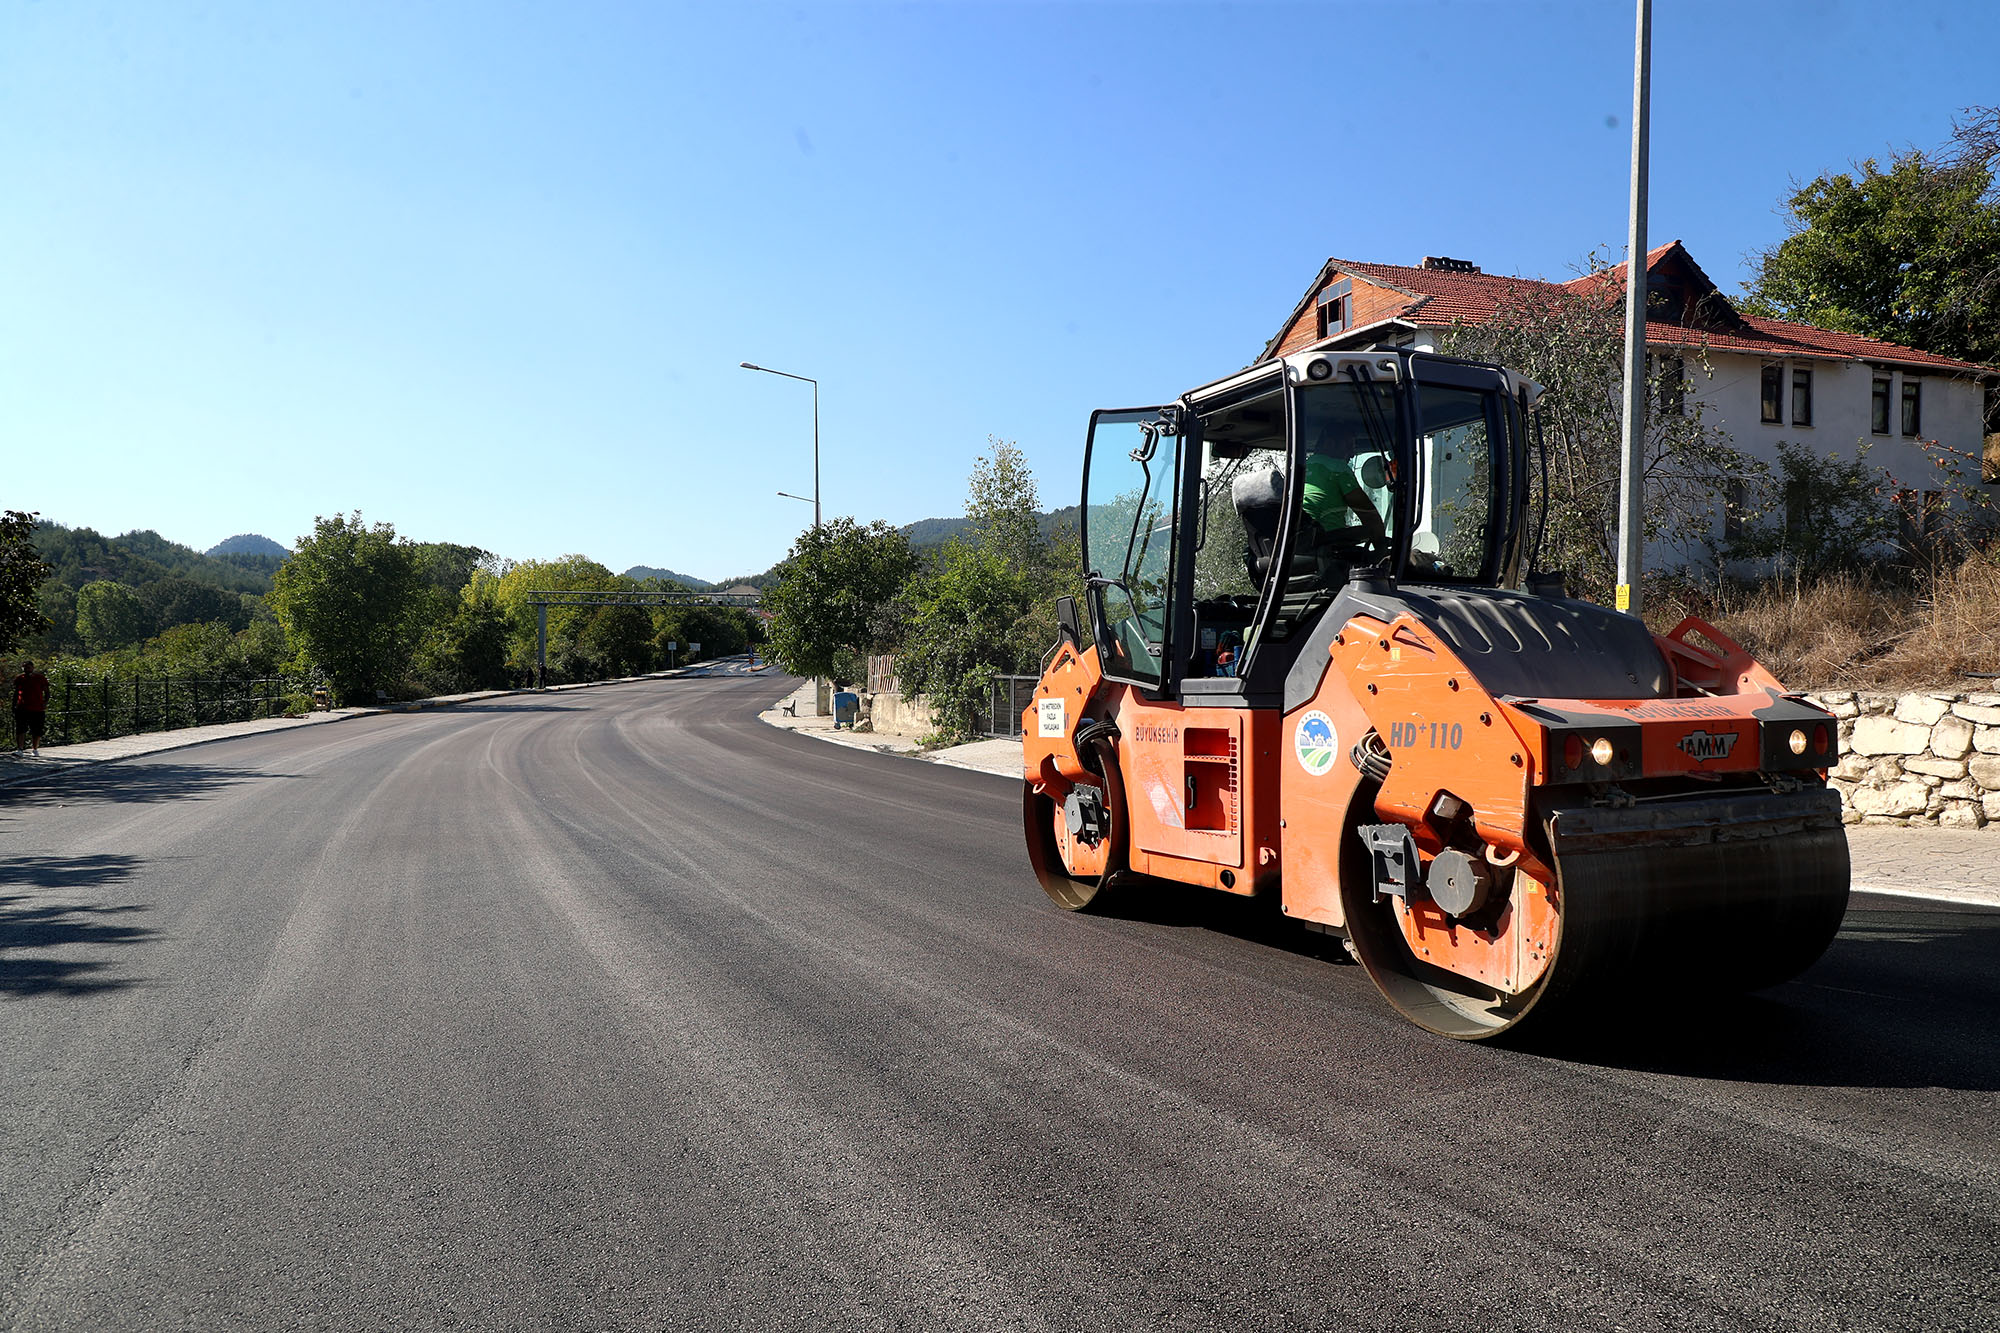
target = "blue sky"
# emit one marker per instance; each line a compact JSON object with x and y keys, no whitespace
{"x":486,"y":270}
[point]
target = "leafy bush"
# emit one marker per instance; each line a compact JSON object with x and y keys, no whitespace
{"x":1820,"y":514}
{"x":986,"y":607}
{"x":964,"y":609}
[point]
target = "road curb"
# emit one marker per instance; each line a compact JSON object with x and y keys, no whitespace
{"x":1960,"y":897}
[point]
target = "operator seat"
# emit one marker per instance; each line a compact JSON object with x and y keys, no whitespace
{"x":1259,"y":498}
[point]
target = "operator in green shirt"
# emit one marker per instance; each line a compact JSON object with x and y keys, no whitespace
{"x":1336,"y":500}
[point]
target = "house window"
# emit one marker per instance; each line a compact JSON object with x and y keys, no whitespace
{"x":1801,"y":397}
{"x":1670,"y":395}
{"x":1774,"y":393}
{"x":1336,"y":307}
{"x":1878,"y":409}
{"x":1913,"y":405}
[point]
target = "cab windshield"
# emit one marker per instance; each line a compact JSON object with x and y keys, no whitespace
{"x":1346,"y":513}
{"x":1457,"y":498}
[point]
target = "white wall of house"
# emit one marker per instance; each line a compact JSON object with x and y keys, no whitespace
{"x":1731,"y":394}
{"x":1841,"y":413}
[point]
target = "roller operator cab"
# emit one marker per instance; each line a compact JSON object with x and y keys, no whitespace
{"x":1310,"y":668}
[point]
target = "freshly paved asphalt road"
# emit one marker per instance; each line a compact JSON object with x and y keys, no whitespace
{"x":619,"y":1009}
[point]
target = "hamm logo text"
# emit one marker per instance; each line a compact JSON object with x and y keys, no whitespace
{"x":1701,"y":746}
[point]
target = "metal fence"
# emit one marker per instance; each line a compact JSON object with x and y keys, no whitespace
{"x":95,"y":709}
{"x":1006,"y":696}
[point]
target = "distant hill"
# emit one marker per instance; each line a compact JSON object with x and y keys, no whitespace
{"x":689,"y":581}
{"x":757,"y":581}
{"x":177,"y":585}
{"x":79,"y":555}
{"x":249,"y":543}
{"x":928,"y":532}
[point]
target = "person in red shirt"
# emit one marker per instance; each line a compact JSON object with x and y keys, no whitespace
{"x":31,"y":706}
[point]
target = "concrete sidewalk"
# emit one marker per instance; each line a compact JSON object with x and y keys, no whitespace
{"x":1944,"y":865}
{"x":1002,"y":757}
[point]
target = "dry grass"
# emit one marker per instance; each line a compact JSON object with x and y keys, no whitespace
{"x":1845,"y":631}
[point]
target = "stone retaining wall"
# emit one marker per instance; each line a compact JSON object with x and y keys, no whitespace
{"x":1917,"y":758}
{"x":893,"y":714}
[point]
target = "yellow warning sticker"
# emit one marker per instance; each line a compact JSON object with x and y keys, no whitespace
{"x":1624,"y":597}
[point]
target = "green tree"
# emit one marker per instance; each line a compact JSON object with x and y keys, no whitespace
{"x":720,"y":630}
{"x":203,"y":649}
{"x":1573,"y":343}
{"x":568,"y":656}
{"x":109,"y":615}
{"x":832,"y":582}
{"x":182,"y":601}
{"x":22,"y":570}
{"x":261,"y":649}
{"x":963,"y":611}
{"x":1004,"y":505}
{"x":465,"y":651}
{"x":618,"y":640}
{"x":344,"y":598}
{"x":455,"y":644}
{"x":986,"y":607}
{"x":1910,"y":254}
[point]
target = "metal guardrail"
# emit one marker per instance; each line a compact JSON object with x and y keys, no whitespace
{"x":96,"y":709}
{"x":1006,"y":696}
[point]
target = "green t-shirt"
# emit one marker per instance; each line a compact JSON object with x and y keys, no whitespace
{"x":1329,"y":481}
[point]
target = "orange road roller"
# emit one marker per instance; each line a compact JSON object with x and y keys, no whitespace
{"x":1311,"y":668}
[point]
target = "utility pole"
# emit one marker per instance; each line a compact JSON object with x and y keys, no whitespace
{"x":1631,"y":477}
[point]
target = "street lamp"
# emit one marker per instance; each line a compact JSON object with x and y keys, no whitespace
{"x":747,"y":365}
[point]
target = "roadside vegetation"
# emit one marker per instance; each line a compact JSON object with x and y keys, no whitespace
{"x":355,"y":608}
{"x":954,"y":613}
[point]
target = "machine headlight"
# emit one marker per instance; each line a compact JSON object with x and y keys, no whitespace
{"x":1797,"y":741}
{"x":1601,"y":751}
{"x":1321,"y":369}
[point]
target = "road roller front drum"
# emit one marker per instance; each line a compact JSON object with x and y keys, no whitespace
{"x":1700,"y":896}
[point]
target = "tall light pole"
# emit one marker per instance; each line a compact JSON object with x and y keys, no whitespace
{"x":815,"y":383}
{"x":1631,"y":475}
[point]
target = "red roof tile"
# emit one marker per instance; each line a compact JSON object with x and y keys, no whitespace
{"x":1442,"y":297}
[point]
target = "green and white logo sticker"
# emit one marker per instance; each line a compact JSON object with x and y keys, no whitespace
{"x":1316,"y":743}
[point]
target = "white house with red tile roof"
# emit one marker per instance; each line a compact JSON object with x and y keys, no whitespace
{"x":1770,"y":380}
